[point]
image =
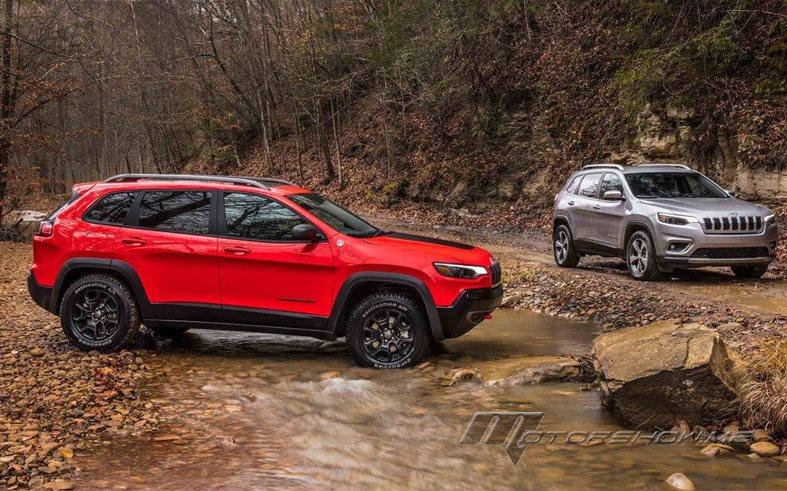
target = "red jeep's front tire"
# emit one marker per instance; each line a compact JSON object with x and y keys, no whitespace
{"x":387,"y":330}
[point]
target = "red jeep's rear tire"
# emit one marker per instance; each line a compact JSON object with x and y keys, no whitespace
{"x":99,"y":313}
{"x":387,"y":330}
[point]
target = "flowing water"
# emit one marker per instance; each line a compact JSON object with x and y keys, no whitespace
{"x":253,"y":411}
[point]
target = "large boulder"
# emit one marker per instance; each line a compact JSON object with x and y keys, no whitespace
{"x":653,"y":375}
{"x":22,"y":224}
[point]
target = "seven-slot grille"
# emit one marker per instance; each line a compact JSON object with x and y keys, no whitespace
{"x":733,"y":224}
{"x":497,"y":273}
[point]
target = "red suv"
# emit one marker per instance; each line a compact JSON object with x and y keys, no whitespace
{"x":177,"y":252}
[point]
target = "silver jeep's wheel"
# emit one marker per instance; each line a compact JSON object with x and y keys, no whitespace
{"x":563,"y":247}
{"x":641,"y":256}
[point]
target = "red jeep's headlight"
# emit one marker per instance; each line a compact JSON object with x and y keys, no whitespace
{"x":460,"y":270}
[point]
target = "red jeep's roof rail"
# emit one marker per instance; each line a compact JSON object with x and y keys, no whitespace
{"x":259,"y":182}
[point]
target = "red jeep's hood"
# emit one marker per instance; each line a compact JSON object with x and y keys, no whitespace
{"x":437,"y":249}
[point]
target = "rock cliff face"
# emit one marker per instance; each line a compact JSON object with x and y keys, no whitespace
{"x":654,"y":375}
{"x":677,"y":135}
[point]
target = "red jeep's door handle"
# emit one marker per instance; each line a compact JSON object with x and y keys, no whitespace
{"x":238,"y":251}
{"x":134,"y":241}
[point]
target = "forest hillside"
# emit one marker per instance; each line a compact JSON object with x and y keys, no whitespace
{"x":468,"y":105}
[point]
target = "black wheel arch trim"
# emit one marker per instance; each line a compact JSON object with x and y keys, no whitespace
{"x":560,"y":220}
{"x":121,"y":268}
{"x":382,"y":277}
{"x":636,"y":224}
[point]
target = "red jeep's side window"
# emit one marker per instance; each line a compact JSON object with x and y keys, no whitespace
{"x":255,"y":217}
{"x":112,"y":209}
{"x":186,"y":212}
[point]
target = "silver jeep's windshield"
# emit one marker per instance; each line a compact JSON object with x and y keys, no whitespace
{"x":679,"y":185}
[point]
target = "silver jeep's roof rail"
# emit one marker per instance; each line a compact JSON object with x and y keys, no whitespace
{"x":603,"y":166}
{"x":258,"y":182}
{"x":680,"y":166}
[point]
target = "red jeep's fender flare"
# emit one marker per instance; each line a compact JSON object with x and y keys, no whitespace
{"x":340,"y":309}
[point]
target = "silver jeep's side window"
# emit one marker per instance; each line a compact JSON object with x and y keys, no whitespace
{"x":611,"y":182}
{"x":589,"y":186}
{"x":574,"y":186}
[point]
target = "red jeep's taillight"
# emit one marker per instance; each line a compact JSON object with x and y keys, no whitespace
{"x":45,"y":228}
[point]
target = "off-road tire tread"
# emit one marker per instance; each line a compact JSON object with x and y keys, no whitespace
{"x":126,"y":333}
{"x":355,"y":324}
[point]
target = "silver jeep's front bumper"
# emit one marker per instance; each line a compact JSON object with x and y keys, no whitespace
{"x":689,"y":246}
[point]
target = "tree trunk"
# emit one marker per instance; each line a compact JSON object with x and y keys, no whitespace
{"x":298,"y":145}
{"x":5,"y":100}
{"x":335,"y":123}
{"x":325,"y":146}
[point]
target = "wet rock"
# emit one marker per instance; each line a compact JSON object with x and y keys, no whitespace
{"x":22,"y":224}
{"x":682,"y":427}
{"x":728,"y":327}
{"x":717,"y":450}
{"x":731,"y":428}
{"x":653,"y":375}
{"x":166,"y":438}
{"x":761,"y":435}
{"x":461,"y":374}
{"x":35,"y":482}
{"x":511,"y":300}
{"x":59,"y":485}
{"x":765,"y":449}
{"x":681,"y":482}
{"x":330,"y":374}
{"x":754,"y":457}
{"x":531,"y":370}
{"x":65,"y":452}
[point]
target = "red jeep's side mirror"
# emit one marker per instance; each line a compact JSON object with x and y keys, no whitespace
{"x":305,"y":231}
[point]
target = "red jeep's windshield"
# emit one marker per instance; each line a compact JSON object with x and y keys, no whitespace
{"x":334,"y":215}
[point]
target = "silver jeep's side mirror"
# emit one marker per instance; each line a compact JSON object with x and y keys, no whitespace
{"x":614,"y":195}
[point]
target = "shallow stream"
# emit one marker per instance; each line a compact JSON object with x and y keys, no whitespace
{"x":256,"y":410}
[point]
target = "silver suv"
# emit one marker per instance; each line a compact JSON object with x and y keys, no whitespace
{"x":659,"y":217}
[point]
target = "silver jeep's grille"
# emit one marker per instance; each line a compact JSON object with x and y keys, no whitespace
{"x":733,"y":225}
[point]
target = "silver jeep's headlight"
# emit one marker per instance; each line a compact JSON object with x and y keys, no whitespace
{"x":460,"y":270}
{"x":770,"y":219}
{"x":676,"y":219}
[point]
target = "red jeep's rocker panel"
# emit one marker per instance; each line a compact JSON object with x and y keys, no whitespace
{"x":179,"y":252}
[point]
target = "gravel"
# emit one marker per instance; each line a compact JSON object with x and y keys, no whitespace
{"x":56,"y":401}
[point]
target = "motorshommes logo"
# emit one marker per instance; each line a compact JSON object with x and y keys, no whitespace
{"x":502,"y":428}
{"x":516,"y":430}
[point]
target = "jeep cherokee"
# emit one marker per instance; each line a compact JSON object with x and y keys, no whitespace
{"x":658,"y":217}
{"x":177,"y":252}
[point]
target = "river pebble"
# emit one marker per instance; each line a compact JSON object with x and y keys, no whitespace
{"x":680,"y":482}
